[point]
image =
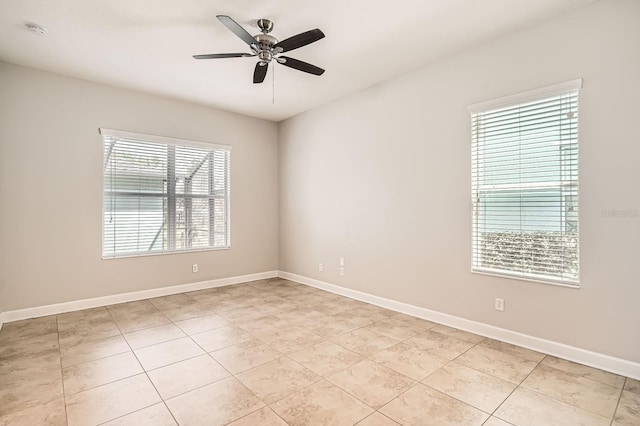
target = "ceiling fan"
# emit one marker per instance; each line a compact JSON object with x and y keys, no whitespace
{"x":267,"y":48}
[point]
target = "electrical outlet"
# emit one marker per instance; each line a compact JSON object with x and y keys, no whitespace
{"x":499,"y":304}
{"x":320,"y":267}
{"x":341,"y":271}
{"x":194,"y":268}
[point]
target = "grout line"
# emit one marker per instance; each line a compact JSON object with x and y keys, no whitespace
{"x":618,"y":403}
{"x":578,"y":375}
{"x":322,"y":379}
{"x":95,"y":359}
{"x":124,"y":415}
{"x":64,"y":394}
{"x":157,"y":343}
{"x":382,"y":414}
{"x":494,"y":417}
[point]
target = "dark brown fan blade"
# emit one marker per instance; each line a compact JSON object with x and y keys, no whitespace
{"x":222,"y":55}
{"x":237,"y":29}
{"x":260,"y":72}
{"x":300,"y":40}
{"x":301,"y":66}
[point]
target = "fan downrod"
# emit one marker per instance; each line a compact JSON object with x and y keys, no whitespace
{"x":265,"y":25}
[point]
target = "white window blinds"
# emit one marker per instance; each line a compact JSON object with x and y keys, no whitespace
{"x":525,"y":185}
{"x":163,"y":195}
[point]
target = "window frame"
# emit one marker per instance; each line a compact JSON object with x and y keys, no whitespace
{"x":513,"y":101}
{"x":171,"y":195}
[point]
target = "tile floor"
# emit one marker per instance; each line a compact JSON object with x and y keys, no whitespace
{"x":273,"y":352}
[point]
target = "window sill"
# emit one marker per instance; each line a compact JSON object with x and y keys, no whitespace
{"x":162,"y":253}
{"x":575,"y":285}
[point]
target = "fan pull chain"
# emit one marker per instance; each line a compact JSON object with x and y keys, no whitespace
{"x":273,"y":85}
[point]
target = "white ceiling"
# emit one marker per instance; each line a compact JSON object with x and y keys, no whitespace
{"x":147,"y":45}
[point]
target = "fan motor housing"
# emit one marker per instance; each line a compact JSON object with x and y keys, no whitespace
{"x":265,"y":41}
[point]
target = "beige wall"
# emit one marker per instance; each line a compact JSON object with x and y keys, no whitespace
{"x":382,"y":178}
{"x":51,"y":183}
{"x":2,"y":303}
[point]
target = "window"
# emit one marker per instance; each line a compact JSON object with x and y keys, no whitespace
{"x":163,"y":195}
{"x":524,"y":167}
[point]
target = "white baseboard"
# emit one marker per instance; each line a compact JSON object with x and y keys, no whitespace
{"x":582,"y":356}
{"x":76,"y":305}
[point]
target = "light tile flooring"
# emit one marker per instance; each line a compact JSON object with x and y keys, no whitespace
{"x":274,"y":352}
